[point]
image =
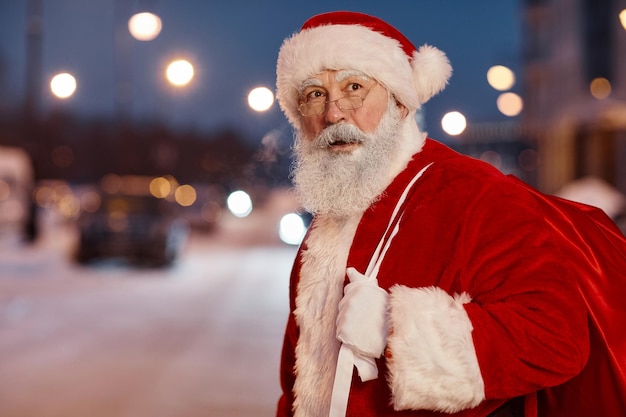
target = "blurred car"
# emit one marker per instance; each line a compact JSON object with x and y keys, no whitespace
{"x":16,"y":184}
{"x":140,"y":229}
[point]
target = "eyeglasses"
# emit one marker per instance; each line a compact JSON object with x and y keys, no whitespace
{"x":318,"y":105}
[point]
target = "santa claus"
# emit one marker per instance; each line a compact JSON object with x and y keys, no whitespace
{"x":429,"y":282}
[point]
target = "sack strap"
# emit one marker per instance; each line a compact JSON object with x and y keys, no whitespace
{"x":347,"y":359}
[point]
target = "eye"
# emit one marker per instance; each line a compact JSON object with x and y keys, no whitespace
{"x":353,"y":86}
{"x":314,"y":95}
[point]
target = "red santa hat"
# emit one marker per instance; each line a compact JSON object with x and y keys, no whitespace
{"x":349,"y":40}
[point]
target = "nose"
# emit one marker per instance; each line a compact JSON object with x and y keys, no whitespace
{"x":333,"y":113}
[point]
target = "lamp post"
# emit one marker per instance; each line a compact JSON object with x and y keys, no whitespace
{"x":143,"y":26}
{"x":34,"y":35}
{"x":32,"y":104}
{"x":123,"y":88}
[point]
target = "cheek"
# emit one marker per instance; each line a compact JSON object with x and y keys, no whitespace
{"x":311,"y":127}
{"x":368,"y":121}
{"x":369,"y":118}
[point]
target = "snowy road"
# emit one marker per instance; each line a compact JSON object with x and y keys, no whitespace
{"x":199,"y":339}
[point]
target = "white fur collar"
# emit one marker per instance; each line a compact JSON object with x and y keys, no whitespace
{"x":319,"y":291}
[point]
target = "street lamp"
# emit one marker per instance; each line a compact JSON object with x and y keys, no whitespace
{"x":510,"y":104}
{"x":260,"y":99}
{"x":453,"y":123}
{"x":144,"y":26}
{"x":239,"y":203}
{"x":63,"y":85}
{"x":500,"y":77}
{"x":179,"y":73}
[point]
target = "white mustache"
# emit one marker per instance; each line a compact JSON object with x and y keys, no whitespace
{"x":340,"y":133}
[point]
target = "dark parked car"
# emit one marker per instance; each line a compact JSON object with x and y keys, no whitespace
{"x":139,"y":229}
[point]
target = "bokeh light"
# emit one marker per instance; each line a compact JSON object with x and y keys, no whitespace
{"x":144,"y":26}
{"x":291,"y":229}
{"x":600,"y":88}
{"x":160,"y":187}
{"x":180,"y":72}
{"x":260,"y":99}
{"x":493,"y":158}
{"x":622,"y":18}
{"x":69,"y":206}
{"x":185,"y":195}
{"x":500,"y":77}
{"x":528,"y":160}
{"x":453,"y":123}
{"x":63,"y":85}
{"x":90,"y":201}
{"x":44,"y":196}
{"x":111,"y":183}
{"x":510,"y":104}
{"x":239,"y":203}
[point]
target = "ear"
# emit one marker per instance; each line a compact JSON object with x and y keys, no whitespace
{"x":431,"y":71}
{"x":404,"y":111}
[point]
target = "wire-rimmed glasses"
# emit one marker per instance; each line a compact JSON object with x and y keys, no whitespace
{"x":319,"y":105}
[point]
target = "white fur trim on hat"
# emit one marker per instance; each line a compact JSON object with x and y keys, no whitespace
{"x":411,"y":79}
{"x":432,"y":364}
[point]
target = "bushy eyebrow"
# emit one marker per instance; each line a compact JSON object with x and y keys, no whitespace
{"x":309,"y":82}
{"x":342,"y":75}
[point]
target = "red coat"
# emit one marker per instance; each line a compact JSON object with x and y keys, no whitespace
{"x":482,"y":303}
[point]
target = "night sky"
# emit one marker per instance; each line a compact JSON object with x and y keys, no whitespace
{"x":233,"y":45}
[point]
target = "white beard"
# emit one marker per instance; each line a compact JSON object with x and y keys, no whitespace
{"x":341,"y":184}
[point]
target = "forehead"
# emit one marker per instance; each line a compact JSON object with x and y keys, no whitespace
{"x":337,"y":76}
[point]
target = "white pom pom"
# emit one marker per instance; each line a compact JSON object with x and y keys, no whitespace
{"x":431,"y":71}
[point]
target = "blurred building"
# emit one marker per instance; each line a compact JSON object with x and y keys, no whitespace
{"x":575,"y":90}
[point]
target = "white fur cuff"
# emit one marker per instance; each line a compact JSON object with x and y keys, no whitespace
{"x":433,"y":363}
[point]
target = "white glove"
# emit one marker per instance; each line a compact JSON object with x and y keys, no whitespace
{"x":362,"y":318}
